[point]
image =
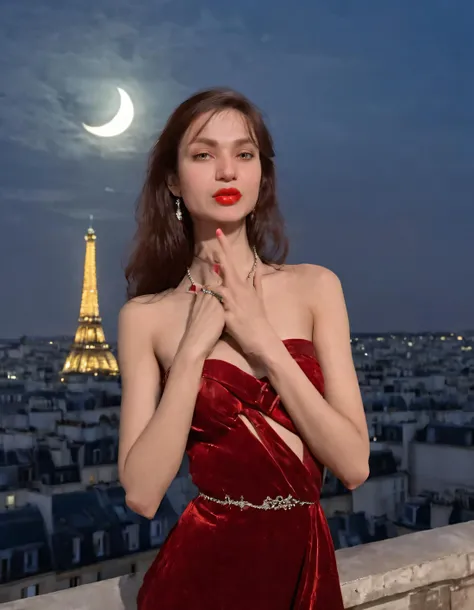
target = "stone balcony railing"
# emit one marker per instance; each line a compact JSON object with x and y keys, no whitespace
{"x":432,"y":570}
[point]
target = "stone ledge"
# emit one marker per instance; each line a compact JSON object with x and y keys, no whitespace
{"x":422,"y":571}
{"x":112,"y":594}
{"x":395,"y":567}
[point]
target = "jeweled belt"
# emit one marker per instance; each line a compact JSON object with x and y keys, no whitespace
{"x":277,"y":503}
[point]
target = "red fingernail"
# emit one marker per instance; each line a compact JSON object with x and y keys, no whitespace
{"x":216,"y":268}
{"x":219,"y":232}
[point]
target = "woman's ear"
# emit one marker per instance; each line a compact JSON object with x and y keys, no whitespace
{"x":173,"y":185}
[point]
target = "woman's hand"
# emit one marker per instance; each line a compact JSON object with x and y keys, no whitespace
{"x":205,"y":326}
{"x":242,"y":302}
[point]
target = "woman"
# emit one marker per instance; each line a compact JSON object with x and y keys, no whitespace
{"x":243,"y":362}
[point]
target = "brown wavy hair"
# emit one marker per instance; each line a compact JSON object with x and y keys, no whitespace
{"x":163,"y":246}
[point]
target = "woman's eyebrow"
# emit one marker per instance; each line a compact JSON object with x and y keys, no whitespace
{"x":215,"y":144}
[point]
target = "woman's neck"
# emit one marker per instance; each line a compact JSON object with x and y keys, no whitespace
{"x":208,"y":252}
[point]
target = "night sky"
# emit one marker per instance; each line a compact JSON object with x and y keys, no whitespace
{"x":371,"y":104}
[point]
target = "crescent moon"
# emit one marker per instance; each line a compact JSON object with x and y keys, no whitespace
{"x":121,"y":121}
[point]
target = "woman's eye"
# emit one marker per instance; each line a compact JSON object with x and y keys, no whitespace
{"x":246,"y":155}
{"x":201,"y":156}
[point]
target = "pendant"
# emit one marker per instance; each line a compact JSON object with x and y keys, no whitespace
{"x":194,"y":288}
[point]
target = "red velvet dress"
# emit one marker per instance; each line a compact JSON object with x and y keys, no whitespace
{"x":224,"y":557}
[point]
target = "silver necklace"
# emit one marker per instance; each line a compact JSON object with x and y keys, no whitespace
{"x":252,"y":270}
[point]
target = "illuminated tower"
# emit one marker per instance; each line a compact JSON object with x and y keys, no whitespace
{"x":90,"y":353}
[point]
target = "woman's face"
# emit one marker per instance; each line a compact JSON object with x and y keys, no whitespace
{"x":218,"y":153}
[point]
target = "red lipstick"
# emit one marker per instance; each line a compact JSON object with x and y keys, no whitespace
{"x":227,"y":196}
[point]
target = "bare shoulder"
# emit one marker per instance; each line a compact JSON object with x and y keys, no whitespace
{"x":157,"y":319}
{"x":316,"y":273}
{"x":151,"y":302}
{"x":142,"y":307}
{"x":319,"y":283}
{"x":306,"y":271}
{"x":147,"y":313}
{"x":147,"y":299}
{"x":314,"y":284}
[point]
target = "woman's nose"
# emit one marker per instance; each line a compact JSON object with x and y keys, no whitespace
{"x":226,"y":170}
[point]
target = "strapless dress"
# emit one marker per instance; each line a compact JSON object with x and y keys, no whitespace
{"x":255,"y":536}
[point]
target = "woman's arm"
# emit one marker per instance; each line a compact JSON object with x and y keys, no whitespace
{"x":334,"y":427}
{"x":152,"y":440}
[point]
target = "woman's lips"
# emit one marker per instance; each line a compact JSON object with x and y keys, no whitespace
{"x":227,"y":196}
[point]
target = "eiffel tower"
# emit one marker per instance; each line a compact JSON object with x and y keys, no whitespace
{"x":90,"y":354}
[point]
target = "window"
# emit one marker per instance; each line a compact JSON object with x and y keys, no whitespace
{"x":30,"y":591}
{"x":120,"y":511}
{"x":76,"y":550}
{"x":410,"y":514}
{"x":25,"y":474}
{"x":10,"y":501}
{"x":96,"y":456}
{"x":30,"y":561}
{"x":4,"y":567}
{"x":74,"y":581}
{"x":98,"y":541}
{"x":130,"y":537}
{"x":155,"y":531}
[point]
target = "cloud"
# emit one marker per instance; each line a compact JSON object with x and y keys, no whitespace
{"x":327,"y":97}
{"x":63,"y":69}
{"x":35,"y":195}
{"x":71,"y":203}
{"x":99,"y":213}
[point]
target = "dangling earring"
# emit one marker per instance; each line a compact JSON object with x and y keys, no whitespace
{"x":252,"y":215}
{"x":179,"y":213}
